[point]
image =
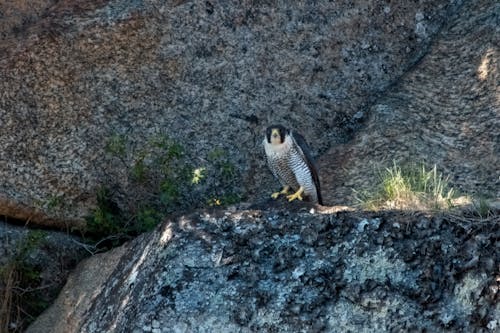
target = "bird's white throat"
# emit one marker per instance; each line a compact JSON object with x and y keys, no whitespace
{"x":278,"y":149}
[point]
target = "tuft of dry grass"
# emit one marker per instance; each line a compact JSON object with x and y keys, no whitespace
{"x":21,"y":295}
{"x":21,"y":300}
{"x":409,"y":188}
{"x":8,"y":314}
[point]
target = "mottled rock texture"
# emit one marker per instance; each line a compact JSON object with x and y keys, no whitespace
{"x":75,"y":74}
{"x":289,"y":269}
{"x":444,"y":111}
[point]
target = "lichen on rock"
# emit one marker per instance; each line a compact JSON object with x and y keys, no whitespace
{"x":256,"y":270}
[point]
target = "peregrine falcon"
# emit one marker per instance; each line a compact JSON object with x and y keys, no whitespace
{"x":290,"y":160}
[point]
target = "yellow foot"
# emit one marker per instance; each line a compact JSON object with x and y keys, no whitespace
{"x":296,"y":195}
{"x":285,"y":189}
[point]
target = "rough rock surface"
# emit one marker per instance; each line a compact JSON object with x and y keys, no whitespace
{"x":208,"y":74}
{"x":445,"y":111}
{"x":290,"y":269}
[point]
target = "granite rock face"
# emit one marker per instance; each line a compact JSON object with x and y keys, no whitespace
{"x":76,"y":74}
{"x":290,"y":269}
{"x":444,"y":111}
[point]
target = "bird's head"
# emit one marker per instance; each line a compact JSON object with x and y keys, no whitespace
{"x":275,"y":134}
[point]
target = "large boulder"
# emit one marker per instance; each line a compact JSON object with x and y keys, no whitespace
{"x":443,"y":112}
{"x":89,"y":87}
{"x":290,"y":269}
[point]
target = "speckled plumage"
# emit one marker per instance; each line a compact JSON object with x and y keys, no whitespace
{"x":292,"y":164}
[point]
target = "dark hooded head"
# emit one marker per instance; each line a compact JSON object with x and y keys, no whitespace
{"x":275,"y":134}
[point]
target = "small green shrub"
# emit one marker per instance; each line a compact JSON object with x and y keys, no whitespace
{"x":106,"y":219}
{"x":169,"y":192}
{"x":198,"y":175}
{"x":147,"y":219}
{"x":116,"y":145}
{"x":224,"y":200}
{"x":164,"y":180}
{"x":53,"y":202}
{"x":139,"y":170}
{"x":223,"y":180}
{"x":482,"y":207}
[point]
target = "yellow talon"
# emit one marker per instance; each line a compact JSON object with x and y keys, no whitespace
{"x":296,"y":195}
{"x":285,"y":189}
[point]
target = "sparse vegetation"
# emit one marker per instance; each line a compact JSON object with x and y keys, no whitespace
{"x":166,"y":181}
{"x":139,"y":169}
{"x":222,"y":179}
{"x":409,"y":187}
{"x":116,"y":145}
{"x":54,"y":202}
{"x":106,"y":218}
{"x":147,"y":219}
{"x":482,"y":208}
{"x":198,"y":175}
{"x":20,"y":299}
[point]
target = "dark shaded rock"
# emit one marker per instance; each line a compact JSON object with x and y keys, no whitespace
{"x":264,"y":274}
{"x":34,"y":266}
